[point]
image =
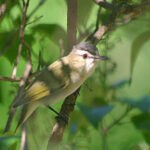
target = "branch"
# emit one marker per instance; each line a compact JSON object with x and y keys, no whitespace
{"x":69,"y":103}
{"x":10,"y":79}
{"x":71,"y":24}
{"x":36,"y":8}
{"x":17,"y":61}
{"x":117,"y":121}
{"x":22,"y":28}
{"x":28,"y":66}
{"x":68,"y":106}
{"x":23,"y":145}
{"x":117,"y":9}
{"x":60,"y":125}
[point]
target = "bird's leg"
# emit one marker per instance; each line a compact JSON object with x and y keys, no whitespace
{"x":63,"y":117}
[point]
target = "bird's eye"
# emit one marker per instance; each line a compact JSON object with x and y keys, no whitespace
{"x":85,"y":56}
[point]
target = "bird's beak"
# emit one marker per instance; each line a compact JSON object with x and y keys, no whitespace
{"x":100,"y":57}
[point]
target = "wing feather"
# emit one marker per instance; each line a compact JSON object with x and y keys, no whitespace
{"x":52,"y":79}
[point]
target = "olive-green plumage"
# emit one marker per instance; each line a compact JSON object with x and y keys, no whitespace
{"x":57,"y":81}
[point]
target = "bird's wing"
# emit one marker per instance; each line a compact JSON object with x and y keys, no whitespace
{"x":51,"y":80}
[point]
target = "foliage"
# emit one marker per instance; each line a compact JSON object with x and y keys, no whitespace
{"x":98,"y":120}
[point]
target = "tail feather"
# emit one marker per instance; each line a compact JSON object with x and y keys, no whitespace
{"x":27,"y":110}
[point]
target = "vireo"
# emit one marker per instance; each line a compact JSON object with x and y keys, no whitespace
{"x":59,"y":80}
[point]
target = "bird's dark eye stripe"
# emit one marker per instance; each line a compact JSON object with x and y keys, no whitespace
{"x":85,"y":56}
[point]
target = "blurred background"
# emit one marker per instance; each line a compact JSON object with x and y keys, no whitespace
{"x":112,"y":110}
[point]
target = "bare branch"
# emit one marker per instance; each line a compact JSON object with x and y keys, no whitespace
{"x":29,"y":63}
{"x":10,"y":79}
{"x":23,"y":139}
{"x":33,"y":21}
{"x":17,"y":61}
{"x":61,"y":48}
{"x":58,"y":129}
{"x":36,"y":8}
{"x":128,"y":109}
{"x":69,"y":103}
{"x":71,"y":23}
{"x":98,"y":1}
{"x":117,"y":10}
{"x":28,"y":66}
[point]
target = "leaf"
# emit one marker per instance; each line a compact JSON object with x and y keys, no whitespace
{"x":84,"y":15}
{"x":137,"y":47}
{"x":13,"y":146}
{"x":142,"y":103}
{"x":94,"y":115}
{"x":73,"y":127}
{"x":8,"y":137}
{"x":9,"y":42}
{"x":142,"y":122}
{"x":10,"y":6}
{"x":120,"y":83}
{"x":52,"y":31}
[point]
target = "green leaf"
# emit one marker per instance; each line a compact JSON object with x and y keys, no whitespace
{"x":8,"y":137}
{"x":84,"y":15}
{"x":13,"y":146}
{"x":142,"y":103}
{"x":137,"y":47}
{"x":52,"y":31}
{"x":9,"y":43}
{"x":95,"y":115}
{"x":142,"y":122}
{"x":120,"y":83}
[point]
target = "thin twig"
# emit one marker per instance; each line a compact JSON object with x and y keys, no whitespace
{"x":117,"y":121}
{"x":36,"y":8}
{"x":33,"y":21}
{"x":28,"y":65}
{"x":88,"y":87}
{"x":84,"y":34}
{"x":117,"y":10}
{"x":17,"y":61}
{"x":10,"y":79}
{"x":61,"y":48}
{"x":23,"y":138}
{"x":98,"y":17}
{"x":104,"y":137}
{"x":39,"y":62}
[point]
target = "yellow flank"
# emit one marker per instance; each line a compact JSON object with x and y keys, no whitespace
{"x":37,"y":91}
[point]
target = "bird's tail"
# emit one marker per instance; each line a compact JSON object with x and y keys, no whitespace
{"x":27,"y":110}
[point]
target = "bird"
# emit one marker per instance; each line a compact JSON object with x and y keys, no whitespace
{"x":59,"y":80}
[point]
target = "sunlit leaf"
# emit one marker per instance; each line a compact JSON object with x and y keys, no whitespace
{"x":137,"y":47}
{"x":142,"y":103}
{"x":94,"y":115}
{"x":83,"y":18}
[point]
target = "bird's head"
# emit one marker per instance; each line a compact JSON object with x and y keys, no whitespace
{"x":87,"y":54}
